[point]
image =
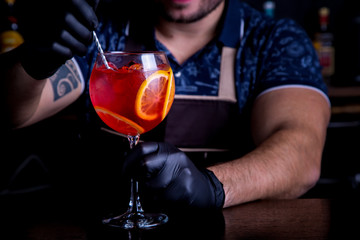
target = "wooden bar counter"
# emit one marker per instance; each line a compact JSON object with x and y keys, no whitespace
{"x":273,"y":219}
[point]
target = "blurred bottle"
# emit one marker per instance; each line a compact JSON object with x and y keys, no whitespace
{"x":353,"y":45}
{"x":10,"y":37}
{"x":269,"y":8}
{"x":324,"y":46}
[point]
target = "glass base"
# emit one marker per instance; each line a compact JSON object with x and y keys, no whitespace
{"x":130,"y":220}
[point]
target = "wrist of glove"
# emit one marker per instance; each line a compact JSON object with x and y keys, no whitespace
{"x":52,"y":38}
{"x":170,"y":177}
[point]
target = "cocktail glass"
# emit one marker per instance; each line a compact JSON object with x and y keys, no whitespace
{"x":133,"y":96}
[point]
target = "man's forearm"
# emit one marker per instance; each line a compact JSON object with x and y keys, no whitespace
{"x":28,"y":100}
{"x":20,"y":92}
{"x":285,"y":165}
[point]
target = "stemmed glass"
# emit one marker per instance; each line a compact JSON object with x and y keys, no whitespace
{"x":132,"y":93}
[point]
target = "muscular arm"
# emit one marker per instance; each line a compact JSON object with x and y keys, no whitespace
{"x":289,"y":128}
{"x":29,"y":100}
{"x":60,"y":90}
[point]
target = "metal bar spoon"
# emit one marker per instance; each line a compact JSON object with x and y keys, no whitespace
{"x":101,"y":51}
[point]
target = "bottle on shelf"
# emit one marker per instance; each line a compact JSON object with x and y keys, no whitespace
{"x":324,"y":46}
{"x":269,"y":8}
{"x":10,"y":37}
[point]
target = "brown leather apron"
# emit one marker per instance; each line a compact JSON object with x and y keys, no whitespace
{"x":207,"y":128}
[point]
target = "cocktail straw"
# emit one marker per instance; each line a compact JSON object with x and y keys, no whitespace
{"x":101,"y":51}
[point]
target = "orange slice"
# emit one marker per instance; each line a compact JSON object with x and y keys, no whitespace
{"x":119,"y":123}
{"x":153,"y":99}
{"x":170,"y":94}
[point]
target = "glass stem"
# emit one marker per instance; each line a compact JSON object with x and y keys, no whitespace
{"x":134,"y":189}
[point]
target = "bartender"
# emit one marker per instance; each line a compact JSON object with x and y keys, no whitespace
{"x":250,"y":112}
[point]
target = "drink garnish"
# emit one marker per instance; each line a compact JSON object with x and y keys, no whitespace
{"x":152,"y":99}
{"x":118,"y":122}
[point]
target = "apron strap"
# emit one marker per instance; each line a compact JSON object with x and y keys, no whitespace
{"x":227,"y":89}
{"x":227,"y":75}
{"x":226,"y":92}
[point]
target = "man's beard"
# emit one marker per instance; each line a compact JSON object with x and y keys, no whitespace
{"x":203,"y":12}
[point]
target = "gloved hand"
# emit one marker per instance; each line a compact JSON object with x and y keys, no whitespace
{"x":171,"y":177}
{"x":54,"y":32}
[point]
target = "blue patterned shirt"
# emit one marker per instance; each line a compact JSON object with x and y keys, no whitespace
{"x":270,"y":54}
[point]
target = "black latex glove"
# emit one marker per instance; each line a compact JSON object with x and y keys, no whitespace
{"x":54,"y":32}
{"x":171,"y":177}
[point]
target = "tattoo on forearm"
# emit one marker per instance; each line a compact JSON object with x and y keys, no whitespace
{"x":65,"y":80}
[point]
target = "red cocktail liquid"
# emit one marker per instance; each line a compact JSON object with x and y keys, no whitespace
{"x":130,"y":100}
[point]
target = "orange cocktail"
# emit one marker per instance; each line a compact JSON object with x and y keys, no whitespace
{"x":132,"y":100}
{"x":132,"y":93}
